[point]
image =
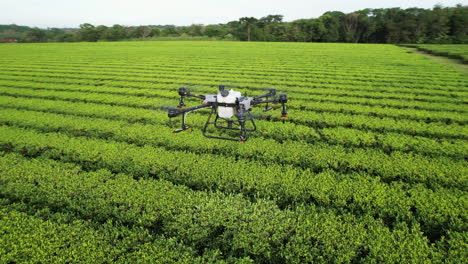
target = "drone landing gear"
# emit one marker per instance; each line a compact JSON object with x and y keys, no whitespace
{"x":180,"y":130}
{"x":230,"y":124}
{"x":184,"y":125}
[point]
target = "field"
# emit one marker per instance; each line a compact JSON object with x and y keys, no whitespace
{"x":459,"y":51}
{"x":370,"y":167}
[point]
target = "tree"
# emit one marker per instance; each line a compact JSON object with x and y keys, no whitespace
{"x":299,"y":30}
{"x":169,"y":31}
{"x":438,"y":27}
{"x":114,"y":33}
{"x":195,"y":30}
{"x":386,"y":25}
{"x":55,"y":34}
{"x":350,"y":24}
{"x":458,"y":23}
{"x":213,"y":31}
{"x":270,"y":19}
{"x":139,"y":32}
{"x":155,"y":32}
{"x":273,"y":28}
{"x":11,"y":34}
{"x":88,"y":32}
{"x":248,"y":23}
{"x":35,"y":35}
{"x":67,"y":37}
{"x":100,"y":31}
{"x":332,"y":23}
{"x":309,"y":30}
{"x":234,"y":28}
{"x":362,"y":29}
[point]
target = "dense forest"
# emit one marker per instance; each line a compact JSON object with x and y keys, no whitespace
{"x":391,"y":25}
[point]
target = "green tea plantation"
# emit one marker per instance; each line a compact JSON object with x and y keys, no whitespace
{"x":369,"y":167}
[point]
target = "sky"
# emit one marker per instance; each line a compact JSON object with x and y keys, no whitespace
{"x":72,"y":13}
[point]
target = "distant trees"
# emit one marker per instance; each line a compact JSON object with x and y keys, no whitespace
{"x":170,"y":31}
{"x":88,"y":32}
{"x":386,"y":25}
{"x":351,"y":27}
{"x":213,"y":31}
{"x":195,"y":30}
{"x":248,"y":23}
{"x":458,"y":23}
{"x":391,"y":25}
{"x":139,"y":32}
{"x":116,"y":32}
{"x":273,"y":28}
{"x":155,"y":32}
{"x":35,"y":35}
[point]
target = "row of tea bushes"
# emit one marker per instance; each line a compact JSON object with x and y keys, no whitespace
{"x":215,"y":226}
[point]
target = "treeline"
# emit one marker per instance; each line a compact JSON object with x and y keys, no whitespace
{"x":391,"y":25}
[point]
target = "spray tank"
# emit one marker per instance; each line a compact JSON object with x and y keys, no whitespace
{"x":227,"y":97}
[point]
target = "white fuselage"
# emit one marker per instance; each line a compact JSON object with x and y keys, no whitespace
{"x":223,"y":111}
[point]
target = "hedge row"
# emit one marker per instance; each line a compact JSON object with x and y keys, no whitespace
{"x":357,"y":193}
{"x":405,"y":101}
{"x":347,"y":137}
{"x":30,"y":239}
{"x":412,"y":95}
{"x":297,"y":74}
{"x":115,"y":79}
{"x":309,"y":118}
{"x":408,"y":167}
{"x":211,"y":224}
{"x":329,"y":104}
{"x":298,"y":82}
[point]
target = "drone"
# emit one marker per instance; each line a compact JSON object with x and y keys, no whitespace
{"x":226,"y":105}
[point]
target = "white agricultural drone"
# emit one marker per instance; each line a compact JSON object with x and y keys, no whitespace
{"x":226,"y":104}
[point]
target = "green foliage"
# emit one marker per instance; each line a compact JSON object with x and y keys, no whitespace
{"x":155,"y":32}
{"x":215,"y":225}
{"x":452,"y":51}
{"x":386,"y":25}
{"x":31,"y":239}
{"x":88,"y":33}
{"x":370,"y":167}
{"x":170,"y":31}
{"x":116,"y":32}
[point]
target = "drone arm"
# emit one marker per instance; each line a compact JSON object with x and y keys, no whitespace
{"x":183,"y":92}
{"x":197,"y":96}
{"x":283,"y":99}
{"x":173,"y":112}
{"x":271,"y":93}
{"x":273,"y":101}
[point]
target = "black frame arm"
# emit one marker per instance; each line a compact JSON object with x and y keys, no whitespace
{"x":196,"y":96}
{"x":184,"y":92}
{"x":282,"y":99}
{"x":174,"y":112}
{"x":271,"y":93}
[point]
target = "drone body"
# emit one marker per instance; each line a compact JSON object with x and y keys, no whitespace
{"x":226,"y":105}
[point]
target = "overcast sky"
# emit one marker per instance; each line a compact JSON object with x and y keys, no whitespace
{"x":72,"y":13}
